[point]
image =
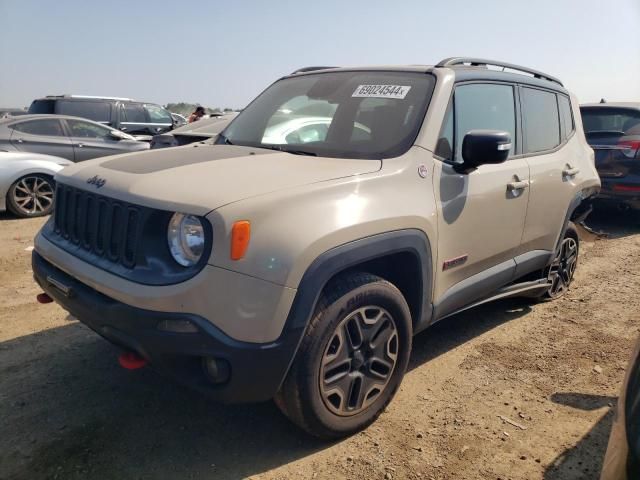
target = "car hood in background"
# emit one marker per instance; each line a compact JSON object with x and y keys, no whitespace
{"x":199,"y":178}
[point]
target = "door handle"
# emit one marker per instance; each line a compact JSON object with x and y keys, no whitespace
{"x":570,"y":171}
{"x":79,"y":145}
{"x":519,"y":185}
{"x":19,"y":140}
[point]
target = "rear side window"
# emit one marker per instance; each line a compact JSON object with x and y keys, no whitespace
{"x":42,"y":107}
{"x":483,"y":107}
{"x":541,"y":120}
{"x":96,"y":111}
{"x":566,"y":117}
{"x":48,"y":127}
{"x":133,"y":113}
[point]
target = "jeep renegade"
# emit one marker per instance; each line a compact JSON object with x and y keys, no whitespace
{"x":342,"y":212}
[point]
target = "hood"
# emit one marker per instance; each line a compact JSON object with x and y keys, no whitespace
{"x":199,"y":178}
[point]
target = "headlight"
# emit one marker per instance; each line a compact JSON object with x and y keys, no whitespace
{"x":186,"y":239}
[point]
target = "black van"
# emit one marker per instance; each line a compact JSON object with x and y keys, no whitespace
{"x":135,"y":118}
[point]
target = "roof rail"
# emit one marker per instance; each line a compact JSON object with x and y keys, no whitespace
{"x":478,"y":62}
{"x":96,"y":97}
{"x":310,"y":69}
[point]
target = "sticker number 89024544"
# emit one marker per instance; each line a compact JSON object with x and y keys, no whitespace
{"x":382,"y":91}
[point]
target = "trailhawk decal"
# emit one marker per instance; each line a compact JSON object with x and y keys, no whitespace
{"x":382,"y":91}
{"x":454,"y":262}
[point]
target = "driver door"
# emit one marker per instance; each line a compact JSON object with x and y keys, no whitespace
{"x":481,"y":217}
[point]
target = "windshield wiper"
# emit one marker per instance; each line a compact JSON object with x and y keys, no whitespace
{"x":279,"y":148}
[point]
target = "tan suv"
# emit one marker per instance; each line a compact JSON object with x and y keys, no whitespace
{"x":342,"y":212}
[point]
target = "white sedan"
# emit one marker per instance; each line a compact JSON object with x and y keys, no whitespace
{"x":27,"y":188}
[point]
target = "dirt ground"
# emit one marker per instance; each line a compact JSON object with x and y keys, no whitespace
{"x":553,"y":370}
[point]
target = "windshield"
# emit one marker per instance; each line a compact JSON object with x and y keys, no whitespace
{"x":341,"y":114}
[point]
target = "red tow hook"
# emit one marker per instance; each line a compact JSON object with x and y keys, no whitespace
{"x":43,"y":298}
{"x":131,"y":360}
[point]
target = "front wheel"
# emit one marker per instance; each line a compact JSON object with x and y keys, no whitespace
{"x":351,"y":360}
{"x":560,"y":273}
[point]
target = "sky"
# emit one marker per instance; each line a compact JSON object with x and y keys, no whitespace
{"x":222,"y":54}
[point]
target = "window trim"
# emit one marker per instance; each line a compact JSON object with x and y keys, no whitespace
{"x":562,"y":142}
{"x":516,"y":108}
{"x":573,"y":120}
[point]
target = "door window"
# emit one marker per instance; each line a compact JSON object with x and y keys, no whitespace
{"x":566,"y":117}
{"x":133,"y":113}
{"x":48,"y":127}
{"x":483,"y":107}
{"x":87,"y":130}
{"x":158,"y":114}
{"x":96,"y":111}
{"x":541,"y":120}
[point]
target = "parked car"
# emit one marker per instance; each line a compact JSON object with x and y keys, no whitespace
{"x":622,"y":460}
{"x":73,"y":138}
{"x":301,"y":271}
{"x":11,"y":112}
{"x":131,"y":116}
{"x":205,"y":129}
{"x":27,"y":188}
{"x":613,"y":131}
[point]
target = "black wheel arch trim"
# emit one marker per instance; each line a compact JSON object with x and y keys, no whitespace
{"x":578,"y":210}
{"x":347,"y":256}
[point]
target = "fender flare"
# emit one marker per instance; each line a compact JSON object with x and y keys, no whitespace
{"x":349,"y":255}
{"x":580,"y":204}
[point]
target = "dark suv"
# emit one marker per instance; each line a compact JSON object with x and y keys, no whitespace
{"x":135,"y":118}
{"x":613,"y":131}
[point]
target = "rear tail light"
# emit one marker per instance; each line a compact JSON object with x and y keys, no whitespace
{"x":630,"y":148}
{"x":620,"y":187}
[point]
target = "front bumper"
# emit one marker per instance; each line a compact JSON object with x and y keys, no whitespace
{"x":256,"y":370}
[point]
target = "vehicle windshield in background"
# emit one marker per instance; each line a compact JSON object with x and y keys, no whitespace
{"x":343,"y":114}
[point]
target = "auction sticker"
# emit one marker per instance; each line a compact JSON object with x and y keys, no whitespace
{"x":382,"y":91}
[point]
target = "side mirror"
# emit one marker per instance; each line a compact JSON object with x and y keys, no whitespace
{"x":480,"y":147}
{"x":118,"y":135}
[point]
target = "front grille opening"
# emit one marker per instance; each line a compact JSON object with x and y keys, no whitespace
{"x":106,"y":228}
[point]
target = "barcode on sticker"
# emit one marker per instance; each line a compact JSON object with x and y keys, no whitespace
{"x":382,"y":91}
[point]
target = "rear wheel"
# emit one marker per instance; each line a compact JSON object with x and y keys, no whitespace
{"x":31,"y":195}
{"x":351,"y":359}
{"x":560,"y":273}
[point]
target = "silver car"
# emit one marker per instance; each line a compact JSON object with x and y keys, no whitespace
{"x":73,"y":138}
{"x":27,"y":187}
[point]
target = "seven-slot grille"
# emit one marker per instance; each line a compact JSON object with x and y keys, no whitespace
{"x":103,"y":226}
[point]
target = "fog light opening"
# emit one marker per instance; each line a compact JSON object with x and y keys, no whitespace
{"x":216,"y":369}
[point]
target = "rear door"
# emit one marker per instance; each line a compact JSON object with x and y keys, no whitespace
{"x":91,"y":140}
{"x":46,"y":136}
{"x":96,"y":110}
{"x":551,"y":149}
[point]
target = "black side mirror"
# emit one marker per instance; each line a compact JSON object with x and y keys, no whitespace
{"x":480,"y":147}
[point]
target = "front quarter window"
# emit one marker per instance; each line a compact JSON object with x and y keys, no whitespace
{"x":371,"y":114}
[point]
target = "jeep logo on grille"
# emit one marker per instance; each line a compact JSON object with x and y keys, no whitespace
{"x":97,"y":181}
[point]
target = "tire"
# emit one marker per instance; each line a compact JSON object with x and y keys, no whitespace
{"x":31,"y":196}
{"x":561,"y":271}
{"x":357,"y":309}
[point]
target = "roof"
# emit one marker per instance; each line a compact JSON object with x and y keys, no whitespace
{"x":34,"y":116}
{"x":634,"y":105}
{"x":462,"y":72}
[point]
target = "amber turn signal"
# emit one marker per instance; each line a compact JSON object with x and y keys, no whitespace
{"x":240,"y":235}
